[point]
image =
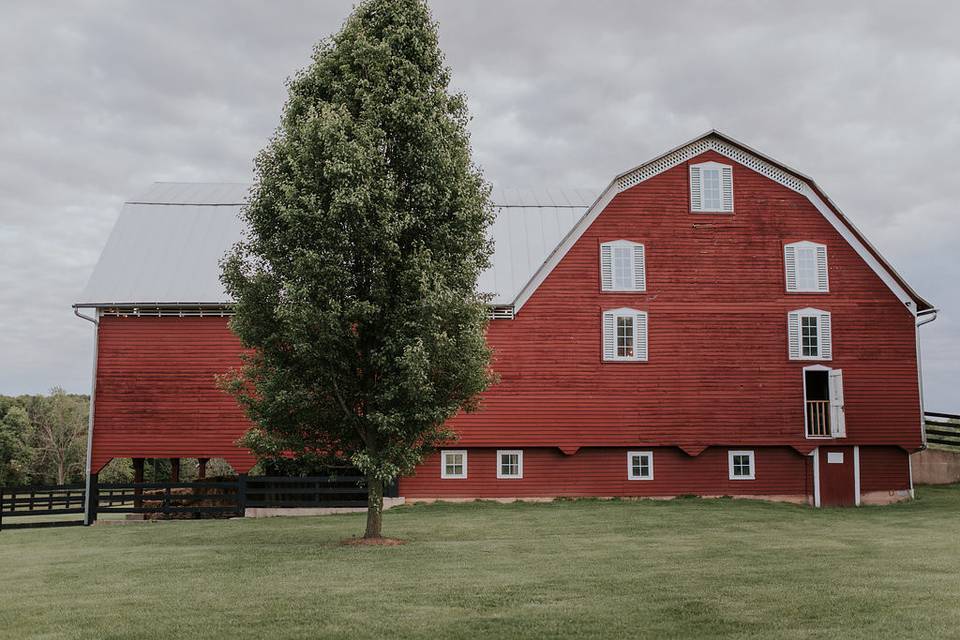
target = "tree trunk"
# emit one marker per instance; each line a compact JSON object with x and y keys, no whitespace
{"x":374,"y":507}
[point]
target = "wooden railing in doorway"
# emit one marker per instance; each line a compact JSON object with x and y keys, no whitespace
{"x":818,"y":418}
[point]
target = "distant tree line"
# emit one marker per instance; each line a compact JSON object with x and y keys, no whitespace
{"x":43,"y":438}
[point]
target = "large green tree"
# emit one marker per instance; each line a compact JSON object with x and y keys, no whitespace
{"x":355,"y":287}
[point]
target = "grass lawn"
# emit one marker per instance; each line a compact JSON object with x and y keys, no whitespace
{"x":592,"y":569}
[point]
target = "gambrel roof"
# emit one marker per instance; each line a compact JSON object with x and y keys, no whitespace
{"x":725,"y":145}
{"x":166,"y":245}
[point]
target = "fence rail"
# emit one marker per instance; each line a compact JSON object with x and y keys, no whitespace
{"x":317,"y":491}
{"x":179,"y":499}
{"x":943,"y":429}
{"x":37,"y":500}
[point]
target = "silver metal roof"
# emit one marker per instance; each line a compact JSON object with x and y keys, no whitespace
{"x":167,"y":243}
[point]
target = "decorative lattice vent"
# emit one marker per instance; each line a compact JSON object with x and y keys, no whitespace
{"x":710,"y":143}
{"x":501,"y":313}
{"x":167,"y":312}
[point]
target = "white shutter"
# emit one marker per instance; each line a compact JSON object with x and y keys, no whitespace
{"x":639,"y":267}
{"x":641,"y":336}
{"x":793,"y":335}
{"x":822,"y":281}
{"x":696,"y":201}
{"x":726,"y":187}
{"x":606,"y":267}
{"x":838,"y":421}
{"x":609,"y":336}
{"x":790,"y":264}
{"x":826,"y":340}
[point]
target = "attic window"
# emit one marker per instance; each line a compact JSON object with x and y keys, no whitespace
{"x":711,"y":187}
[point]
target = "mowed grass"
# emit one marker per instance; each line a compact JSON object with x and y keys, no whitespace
{"x":588,"y":569}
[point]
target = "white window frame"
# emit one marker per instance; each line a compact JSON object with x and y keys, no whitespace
{"x":821,"y":275}
{"x":630,"y":456}
{"x":519,"y":474}
{"x":753,"y":464}
{"x":443,"y":464}
{"x":641,"y":332}
{"x":696,"y":187}
{"x":608,"y":266}
{"x":824,"y":334}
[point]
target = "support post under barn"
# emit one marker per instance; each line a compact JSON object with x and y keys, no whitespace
{"x":93,"y":500}
{"x":202,"y":468}
{"x":174,"y":469}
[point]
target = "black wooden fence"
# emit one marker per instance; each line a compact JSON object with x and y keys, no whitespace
{"x":45,"y":506}
{"x":943,"y":429}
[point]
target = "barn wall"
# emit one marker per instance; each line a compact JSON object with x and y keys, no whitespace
{"x":156,"y":393}
{"x":718,"y":370}
{"x":884,"y":469}
{"x":547,"y":472}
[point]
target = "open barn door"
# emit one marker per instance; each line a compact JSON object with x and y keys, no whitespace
{"x":838,"y":423}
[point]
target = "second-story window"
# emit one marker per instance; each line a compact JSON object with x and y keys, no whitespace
{"x":809,"y":335}
{"x":623,"y":266}
{"x":805,"y":265}
{"x":624,"y":335}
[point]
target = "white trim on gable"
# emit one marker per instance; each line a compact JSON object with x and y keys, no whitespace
{"x":728,"y":147}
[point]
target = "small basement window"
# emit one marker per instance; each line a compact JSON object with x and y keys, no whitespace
{"x":640,"y":465}
{"x":453,"y":464}
{"x":509,"y":464}
{"x":741,"y":465}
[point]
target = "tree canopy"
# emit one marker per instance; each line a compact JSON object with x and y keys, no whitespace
{"x":355,"y":287}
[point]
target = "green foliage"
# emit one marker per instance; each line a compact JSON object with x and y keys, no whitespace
{"x":16,"y":456}
{"x":117,"y":471}
{"x":356,"y":286}
{"x":43,"y":438}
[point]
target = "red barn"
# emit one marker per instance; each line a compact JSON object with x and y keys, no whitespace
{"x":710,"y":324}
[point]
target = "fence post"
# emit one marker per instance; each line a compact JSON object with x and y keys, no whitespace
{"x":242,"y":495}
{"x":93,"y":501}
{"x":1,"y":508}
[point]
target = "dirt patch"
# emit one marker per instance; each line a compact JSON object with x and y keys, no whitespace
{"x":372,"y":542}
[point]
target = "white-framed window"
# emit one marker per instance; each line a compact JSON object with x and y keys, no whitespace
{"x":640,"y":465}
{"x":453,"y":464}
{"x":809,"y":334}
{"x":711,"y":187}
{"x":623,"y":266}
{"x":805,"y":265}
{"x":509,"y":464}
{"x":741,"y":465}
{"x":625,"y":335}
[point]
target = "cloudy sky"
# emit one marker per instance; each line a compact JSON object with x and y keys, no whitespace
{"x":99,"y":99}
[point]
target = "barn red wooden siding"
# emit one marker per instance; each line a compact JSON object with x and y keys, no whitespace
{"x":156,"y":393}
{"x":602,"y":471}
{"x":718,"y":373}
{"x":718,"y":369}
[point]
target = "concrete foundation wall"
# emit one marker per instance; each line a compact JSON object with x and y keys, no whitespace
{"x":936,"y":466}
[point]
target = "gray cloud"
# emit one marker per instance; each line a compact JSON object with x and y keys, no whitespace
{"x":101,"y":98}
